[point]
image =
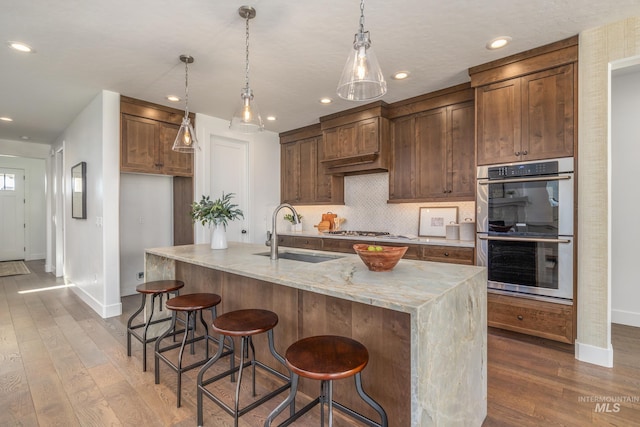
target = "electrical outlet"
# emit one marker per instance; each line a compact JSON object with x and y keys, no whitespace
{"x":140,"y":275}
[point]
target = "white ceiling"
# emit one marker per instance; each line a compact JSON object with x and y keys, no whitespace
{"x":298,"y":49}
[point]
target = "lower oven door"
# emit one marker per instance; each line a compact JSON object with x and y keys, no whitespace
{"x":528,"y":266}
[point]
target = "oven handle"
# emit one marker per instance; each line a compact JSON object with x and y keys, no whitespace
{"x":523,"y":239}
{"x":531,"y":179}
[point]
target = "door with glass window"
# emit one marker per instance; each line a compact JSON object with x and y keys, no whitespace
{"x":11,"y":214}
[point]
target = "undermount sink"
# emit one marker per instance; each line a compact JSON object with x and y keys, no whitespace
{"x":296,"y":256}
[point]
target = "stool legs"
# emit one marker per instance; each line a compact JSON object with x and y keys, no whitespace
{"x":326,"y":396}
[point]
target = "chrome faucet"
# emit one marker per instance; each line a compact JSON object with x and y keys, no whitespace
{"x":273,"y":236}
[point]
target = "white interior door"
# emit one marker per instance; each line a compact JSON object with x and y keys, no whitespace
{"x":229,"y":168}
{"x":11,"y":214}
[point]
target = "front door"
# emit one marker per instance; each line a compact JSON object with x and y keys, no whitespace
{"x":12,"y":223}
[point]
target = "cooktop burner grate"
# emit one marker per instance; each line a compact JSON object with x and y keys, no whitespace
{"x":358,"y":233}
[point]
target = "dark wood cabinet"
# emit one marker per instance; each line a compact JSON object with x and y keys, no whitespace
{"x":432,"y":155}
{"x":538,"y":318}
{"x":356,"y":141}
{"x":147,"y":135}
{"x":450,"y":254}
{"x":526,"y":105}
{"x":303,"y":177}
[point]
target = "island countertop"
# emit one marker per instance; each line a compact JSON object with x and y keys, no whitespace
{"x":409,"y":286}
{"x":423,"y":323}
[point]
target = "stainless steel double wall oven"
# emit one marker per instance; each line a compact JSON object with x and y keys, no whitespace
{"x":525,"y":228}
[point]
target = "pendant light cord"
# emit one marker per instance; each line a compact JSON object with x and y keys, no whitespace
{"x":186,"y":88}
{"x":246,"y":76}
{"x":361,"y":16}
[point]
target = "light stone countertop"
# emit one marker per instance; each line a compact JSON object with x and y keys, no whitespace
{"x":410,"y":285}
{"x":382,"y":239}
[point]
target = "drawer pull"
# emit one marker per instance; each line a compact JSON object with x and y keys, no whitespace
{"x":520,"y":317}
{"x":446,"y":254}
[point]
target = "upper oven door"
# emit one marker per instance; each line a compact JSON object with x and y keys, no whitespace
{"x":526,"y":206}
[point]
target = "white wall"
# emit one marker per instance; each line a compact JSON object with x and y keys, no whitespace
{"x":146,"y":221}
{"x":35,"y":200}
{"x":92,"y":245}
{"x":625,"y":203}
{"x":264,"y":174}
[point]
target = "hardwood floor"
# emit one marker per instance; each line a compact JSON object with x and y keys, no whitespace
{"x":61,"y":364}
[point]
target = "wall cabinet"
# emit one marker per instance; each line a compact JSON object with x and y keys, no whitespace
{"x":432,"y":155}
{"x":303,"y":177}
{"x":526,"y":106}
{"x":147,"y":135}
{"x":356,"y":141}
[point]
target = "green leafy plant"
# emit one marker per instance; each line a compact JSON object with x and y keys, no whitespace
{"x":289,"y":217}
{"x":217,"y":212}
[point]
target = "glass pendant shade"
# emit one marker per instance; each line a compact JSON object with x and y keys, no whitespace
{"x":186,"y":140}
{"x":246,"y":118}
{"x":362,"y":78}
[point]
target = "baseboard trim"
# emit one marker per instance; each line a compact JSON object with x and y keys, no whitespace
{"x":103,"y":311}
{"x":595,"y":355}
{"x":623,"y":317}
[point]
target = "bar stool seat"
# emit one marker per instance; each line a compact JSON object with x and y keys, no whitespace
{"x":242,"y":324}
{"x":327,"y":358}
{"x":189,"y":304}
{"x":156,"y":289}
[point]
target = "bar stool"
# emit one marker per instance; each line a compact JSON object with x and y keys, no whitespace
{"x":156,"y":289}
{"x":190,"y":305}
{"x":327,"y":358}
{"x":243,"y":324}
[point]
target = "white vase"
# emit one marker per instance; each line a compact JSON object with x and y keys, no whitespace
{"x":218,"y":237}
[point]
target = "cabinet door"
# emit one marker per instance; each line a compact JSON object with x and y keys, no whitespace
{"x":330,"y":144}
{"x":401,"y":172}
{"x":323,"y":181}
{"x":431,"y":154}
{"x":348,"y":140}
{"x":173,"y":162}
{"x":461,"y":153}
{"x":548,"y":114}
{"x":499,"y":122}
{"x":290,"y":164}
{"x":138,"y":145}
{"x":307,"y":173}
{"x":368,"y":141}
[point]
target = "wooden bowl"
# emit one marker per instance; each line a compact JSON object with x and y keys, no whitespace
{"x":383,"y":260}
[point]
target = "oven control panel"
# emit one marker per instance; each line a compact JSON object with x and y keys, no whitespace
{"x":529,"y":169}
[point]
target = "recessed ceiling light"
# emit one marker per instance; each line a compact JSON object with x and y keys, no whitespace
{"x":173,"y":98}
{"x":271,"y":118}
{"x":326,"y":100}
{"x":21,"y":47}
{"x":25,"y":137}
{"x":401,"y":75}
{"x":6,"y":119}
{"x":498,"y":42}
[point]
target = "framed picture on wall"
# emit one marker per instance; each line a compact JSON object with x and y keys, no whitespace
{"x":79,"y":191}
{"x":433,"y":221}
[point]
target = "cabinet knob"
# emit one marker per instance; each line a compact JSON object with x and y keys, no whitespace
{"x":448,"y":191}
{"x":525,"y":152}
{"x":446,"y":254}
{"x":244,"y":231}
{"x":444,"y":191}
{"x":520,"y":317}
{"x":517,"y":153}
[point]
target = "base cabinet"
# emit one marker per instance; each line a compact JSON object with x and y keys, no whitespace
{"x":538,"y":318}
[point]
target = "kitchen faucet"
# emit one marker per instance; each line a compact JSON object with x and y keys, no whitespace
{"x":272,"y":237}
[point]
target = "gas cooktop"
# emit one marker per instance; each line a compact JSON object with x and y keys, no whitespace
{"x":357,"y":233}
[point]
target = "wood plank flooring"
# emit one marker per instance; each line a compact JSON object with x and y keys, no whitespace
{"x":62,"y":365}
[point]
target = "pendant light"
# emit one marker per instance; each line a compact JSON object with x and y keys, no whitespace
{"x":362,"y":78}
{"x":186,"y":139}
{"x":247,"y":118}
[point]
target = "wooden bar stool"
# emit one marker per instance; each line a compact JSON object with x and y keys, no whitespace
{"x":156,"y":289}
{"x":190,"y":304}
{"x":242,"y":324}
{"x":327,"y":358}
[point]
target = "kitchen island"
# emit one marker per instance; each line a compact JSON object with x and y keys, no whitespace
{"x":424,"y":323}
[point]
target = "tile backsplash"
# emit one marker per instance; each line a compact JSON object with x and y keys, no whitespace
{"x":366,"y":208}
